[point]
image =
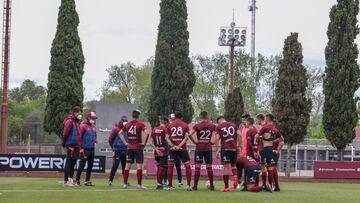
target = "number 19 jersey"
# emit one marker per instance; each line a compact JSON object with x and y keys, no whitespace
{"x":204,"y":131}
{"x":228,"y":135}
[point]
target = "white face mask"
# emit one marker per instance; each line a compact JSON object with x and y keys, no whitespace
{"x":79,"y":117}
{"x":92,"y":122}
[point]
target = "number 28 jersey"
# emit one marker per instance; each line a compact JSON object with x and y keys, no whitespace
{"x":228,"y":135}
{"x":204,"y":131}
{"x":177,"y":131}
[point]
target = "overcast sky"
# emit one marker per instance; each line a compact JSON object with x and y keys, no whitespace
{"x":116,"y":31}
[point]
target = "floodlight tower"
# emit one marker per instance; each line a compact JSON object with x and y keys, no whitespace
{"x":252,"y":9}
{"x":233,"y":37}
{"x":5,"y":72}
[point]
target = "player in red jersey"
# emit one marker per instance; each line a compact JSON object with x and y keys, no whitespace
{"x":135,"y":130}
{"x":252,"y":171}
{"x":260,"y":120}
{"x":228,"y":134}
{"x":176,"y":161}
{"x":277,"y":147}
{"x":177,"y":136}
{"x":204,"y":133}
{"x":158,"y":142}
{"x":270,"y":135}
{"x":252,"y":143}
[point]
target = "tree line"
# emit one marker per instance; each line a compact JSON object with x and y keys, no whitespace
{"x":178,"y":82}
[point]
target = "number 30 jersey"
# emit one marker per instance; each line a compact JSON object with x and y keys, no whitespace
{"x":204,"y":131}
{"x":228,"y":135}
{"x":177,"y":131}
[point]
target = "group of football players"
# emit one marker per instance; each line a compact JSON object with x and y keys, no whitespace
{"x":249,"y":149}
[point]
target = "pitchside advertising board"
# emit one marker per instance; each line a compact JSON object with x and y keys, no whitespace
{"x":42,"y":162}
{"x":217,"y":168}
{"x":337,"y":170}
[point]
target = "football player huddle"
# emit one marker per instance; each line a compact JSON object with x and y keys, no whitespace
{"x":246,"y":149}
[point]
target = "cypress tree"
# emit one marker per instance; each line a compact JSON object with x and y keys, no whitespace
{"x":234,"y":106}
{"x":341,"y":75}
{"x":65,"y":88}
{"x":290,"y":105}
{"x":173,"y":76}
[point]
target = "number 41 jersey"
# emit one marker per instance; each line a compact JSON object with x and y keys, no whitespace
{"x":134,"y":130}
{"x":228,"y":136}
{"x":204,"y":131}
{"x":177,"y":131}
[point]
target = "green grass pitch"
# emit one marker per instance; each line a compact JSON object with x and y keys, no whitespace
{"x":49,"y":190}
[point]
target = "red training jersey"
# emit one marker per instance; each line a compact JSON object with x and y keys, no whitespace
{"x":252,"y":142}
{"x":247,"y":161}
{"x":177,"y":131}
{"x":158,"y":137}
{"x":269,"y":133}
{"x":204,"y":131}
{"x":134,"y":130}
{"x":228,"y":135}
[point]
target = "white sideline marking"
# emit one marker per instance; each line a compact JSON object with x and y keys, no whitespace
{"x":70,"y":190}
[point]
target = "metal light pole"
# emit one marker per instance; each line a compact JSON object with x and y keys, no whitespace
{"x":5,"y":72}
{"x":233,"y":37}
{"x":252,"y":9}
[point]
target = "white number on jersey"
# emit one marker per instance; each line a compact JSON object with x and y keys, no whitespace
{"x":158,"y":140}
{"x":132,"y":130}
{"x":205,"y":135}
{"x":229,"y":131}
{"x":177,"y":131}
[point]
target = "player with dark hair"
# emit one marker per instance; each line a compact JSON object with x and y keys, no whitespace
{"x":177,"y":162}
{"x":252,"y":171}
{"x":277,"y":149}
{"x":244,"y":130}
{"x":204,"y":133}
{"x":119,"y":148}
{"x":158,"y":142}
{"x":177,"y":136}
{"x":269,"y":134}
{"x":72,"y":141}
{"x":228,"y":134}
{"x":87,"y":151}
{"x":260,"y":120}
{"x":251,"y":142}
{"x":135,"y":131}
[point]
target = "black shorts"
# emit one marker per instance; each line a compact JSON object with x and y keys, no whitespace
{"x":161,"y":160}
{"x":182,"y":155}
{"x":228,"y":157}
{"x":268,"y":156}
{"x":89,"y":154}
{"x":201,"y":155}
{"x":251,"y":173}
{"x":72,"y":154}
{"x":135,"y":156}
